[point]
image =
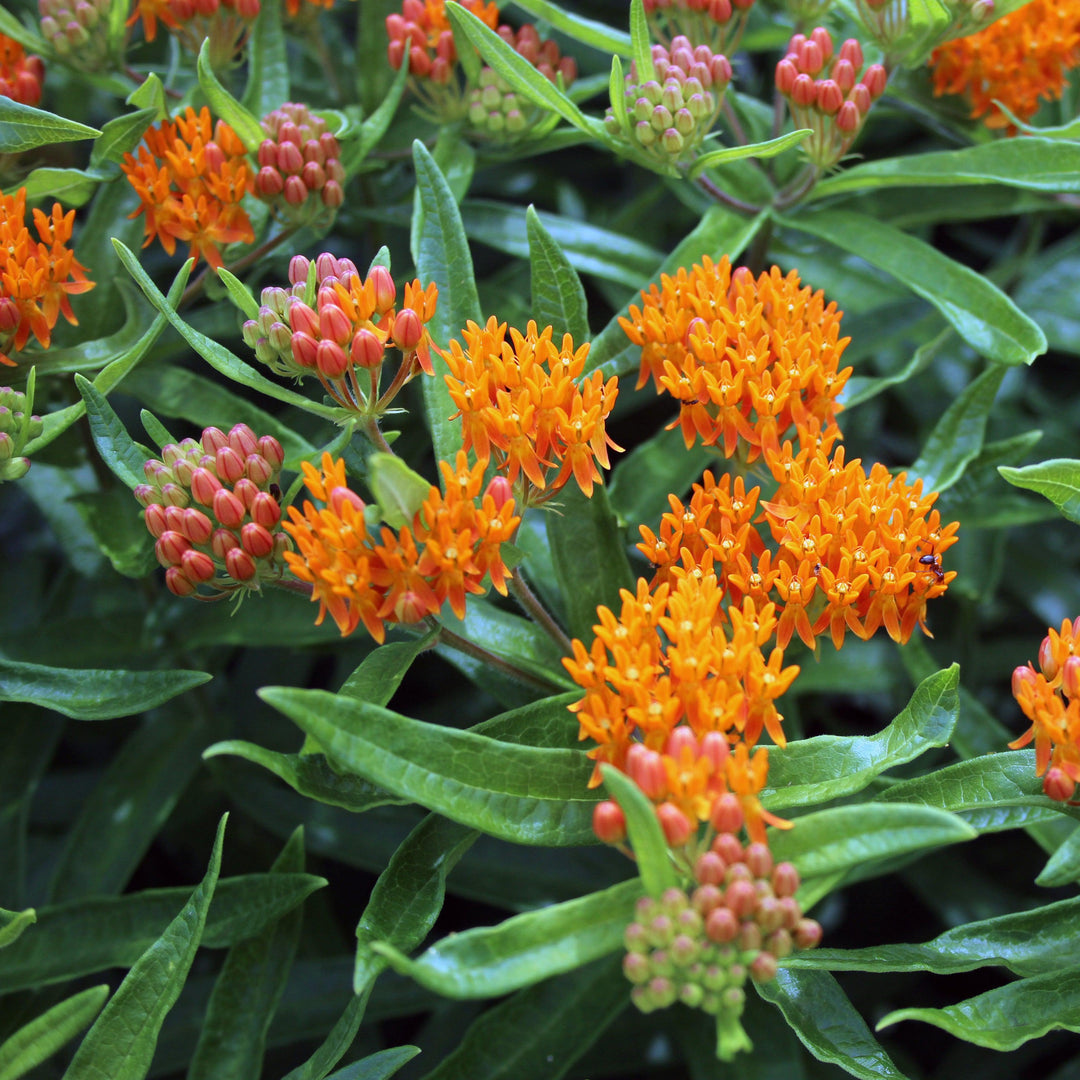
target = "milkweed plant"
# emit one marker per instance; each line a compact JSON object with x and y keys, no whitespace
{"x":539,"y":540}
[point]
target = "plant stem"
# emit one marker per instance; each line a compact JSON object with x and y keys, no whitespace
{"x":537,"y":612}
{"x":800,"y":186}
{"x":196,"y":287}
{"x":733,"y":122}
{"x":371,"y":429}
{"x":478,"y":652}
{"x":730,"y":201}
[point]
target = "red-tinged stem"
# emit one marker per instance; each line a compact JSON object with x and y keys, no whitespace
{"x":733,"y":123}
{"x":372,"y":431}
{"x":730,"y":201}
{"x":194,"y":290}
{"x":290,"y":584}
{"x":800,"y":186}
{"x":537,"y":612}
{"x":489,"y":659}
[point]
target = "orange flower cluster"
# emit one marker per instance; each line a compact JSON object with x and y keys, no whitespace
{"x":191,"y":176}
{"x":224,"y":22}
{"x":853,"y":551}
{"x":1019,"y":60}
{"x":670,"y":684}
{"x":36,"y":277}
{"x":423,"y":28}
{"x":520,"y":403}
{"x":746,"y":359}
{"x":358,"y":576}
{"x":1050,"y":699}
{"x":21,"y":76}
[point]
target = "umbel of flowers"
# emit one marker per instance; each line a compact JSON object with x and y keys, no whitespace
{"x":224,"y":23}
{"x":212,"y":508}
{"x":37,"y":277}
{"x":78,"y":31}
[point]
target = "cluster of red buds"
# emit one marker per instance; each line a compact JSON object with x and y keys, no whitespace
{"x":669,"y":115}
{"x":332,"y":321}
{"x":716,"y":23}
{"x":739,"y":921}
{"x":888,"y":22}
{"x":212,"y":508}
{"x":77,"y":30}
{"x":423,"y":29}
{"x":21,"y":76}
{"x":826,"y":94}
{"x":300,"y":168}
{"x":18,"y":427}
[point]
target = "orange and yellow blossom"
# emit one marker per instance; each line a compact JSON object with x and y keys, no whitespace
{"x":746,"y":358}
{"x":524,"y":404}
{"x":1020,"y":60}
{"x":451,"y":546}
{"x":36,"y":277}
{"x":191,"y":176}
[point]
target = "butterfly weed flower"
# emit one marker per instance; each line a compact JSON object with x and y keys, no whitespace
{"x":212,"y":507}
{"x":21,"y":76}
{"x":191,"y":176}
{"x":525,"y":406}
{"x":224,"y":23}
{"x":37,"y":278}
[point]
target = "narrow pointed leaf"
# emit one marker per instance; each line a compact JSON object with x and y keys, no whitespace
{"x":1063,"y":866}
{"x":117,"y":448}
{"x":558,"y":297}
{"x":770,"y":148}
{"x":587,"y":31}
{"x":38,"y":1040}
{"x":379,"y":675}
{"x":267,"y":63}
{"x":14,"y":923}
{"x":378,"y":1066}
{"x":225,"y":106}
{"x":336,"y":1044}
{"x":23,"y":127}
{"x":378,"y":123}
{"x":651,"y":851}
{"x":1057,"y":479}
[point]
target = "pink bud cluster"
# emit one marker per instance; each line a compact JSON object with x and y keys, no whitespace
{"x":542,"y":53}
{"x":424,"y":31}
{"x":299,"y":163}
{"x":212,"y":508}
{"x":826,"y":94}
{"x":716,"y":23}
{"x":669,"y":115}
{"x":77,"y":30}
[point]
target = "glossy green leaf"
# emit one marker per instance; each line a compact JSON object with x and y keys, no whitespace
{"x":651,"y":851}
{"x":558,"y":297}
{"x":14,"y":923}
{"x":38,"y":1040}
{"x":1058,"y":479}
{"x":540,"y":1032}
{"x":443,"y":257}
{"x":150,"y":94}
{"x":398,"y":490}
{"x":378,"y":1066}
{"x":334,"y":1047}
{"x":73,"y":187}
{"x":121,"y":1042}
{"x":116,"y":447}
{"x":224,"y":106}
{"x":408,"y":895}
{"x":711,"y":158}
{"x":79,"y":938}
{"x":957,"y":437}
{"x":589,"y":32}
{"x":239,"y":293}
{"x":120,"y":136}
{"x":378,"y":123}
{"x":1032,"y":942}
{"x":267,"y":63}
{"x":588,"y":552}
{"x":520,"y":793}
{"x":827,"y":1024}
{"x":1009,"y":1016}
{"x":1063,"y":866}
{"x":23,"y":128}
{"x":247,"y":991}
{"x":1033,"y":163}
{"x":641,"y":42}
{"x":981,"y":313}
{"x":490,"y":961}
{"x":860,"y":388}
{"x":847,"y":837}
{"x":830,"y":766}
{"x":90,"y":694}
{"x":379,"y":675}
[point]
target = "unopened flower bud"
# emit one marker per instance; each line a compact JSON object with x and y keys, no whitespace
{"x":674,"y":823}
{"x":228,"y":509}
{"x":177,"y":583}
{"x":710,"y":868}
{"x":240,"y":565}
{"x":807,"y":934}
{"x":609,"y":823}
{"x":721,"y":925}
{"x":764,"y":967}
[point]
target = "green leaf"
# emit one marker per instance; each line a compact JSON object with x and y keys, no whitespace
{"x":981,"y":313}
{"x":860,"y":388}
{"x":711,"y":158}
{"x":589,"y":32}
{"x":489,"y":961}
{"x":408,"y":895}
{"x":267,"y":63}
{"x":121,"y":1042}
{"x":23,"y":128}
{"x":443,"y":257}
{"x":398,"y":490}
{"x":337,"y":1042}
{"x":378,"y":123}
{"x":247,"y":991}
{"x":640,"y":42}
{"x":150,"y":94}
{"x":651,"y":851}
{"x":379,"y":675}
{"x":957,"y":437}
{"x":380,"y":1065}
{"x":239,"y":293}
{"x":523,"y":794}
{"x":120,"y":136}
{"x":1058,"y":479}
{"x":78,"y":938}
{"x":13,"y":923}
{"x":224,"y":105}
{"x":1033,"y":942}
{"x":38,"y":1040}
{"x":558,"y":297}
{"x":89,"y":694}
{"x":831,"y":766}
{"x":827,"y":1024}
{"x":1038,"y":164}
{"x":1009,"y":1016}
{"x":541,"y":1031}
{"x":588,"y":551}
{"x":1063,"y":867}
{"x":117,"y":448}
{"x":847,"y":837}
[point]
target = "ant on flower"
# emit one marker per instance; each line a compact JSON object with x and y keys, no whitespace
{"x":932,"y":561}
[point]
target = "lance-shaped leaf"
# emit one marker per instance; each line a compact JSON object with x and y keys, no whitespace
{"x":640,"y":44}
{"x":770,"y":148}
{"x":90,"y":694}
{"x":267,"y":63}
{"x":38,"y":1040}
{"x":117,"y":448}
{"x":1063,"y":866}
{"x":519,"y":793}
{"x":490,"y":961}
{"x":981,"y":313}
{"x":383,"y":1063}
{"x":830,"y":766}
{"x":398,"y":490}
{"x":651,"y":851}
{"x":1009,"y":1016}
{"x":558,"y":297}
{"x":14,"y":923}
{"x":381,"y":671}
{"x":334,"y":1047}
{"x":587,"y":31}
{"x":224,"y":105}
{"x":23,"y":127}
{"x":1058,"y":479}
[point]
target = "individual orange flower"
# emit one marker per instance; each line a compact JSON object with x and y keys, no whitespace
{"x":1020,"y":60}
{"x":524,"y":404}
{"x":452,"y":545}
{"x":36,"y":278}
{"x":746,"y":359}
{"x":191,"y":176}
{"x":21,"y":76}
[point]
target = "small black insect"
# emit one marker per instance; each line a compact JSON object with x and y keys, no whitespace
{"x":932,"y":562}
